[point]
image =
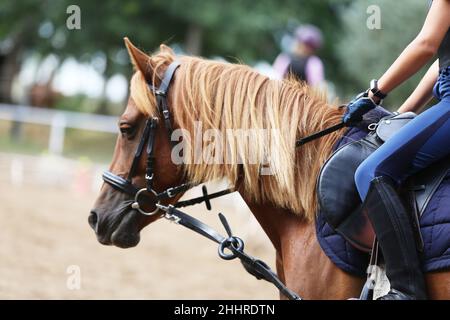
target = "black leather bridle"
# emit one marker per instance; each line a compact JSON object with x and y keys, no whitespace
{"x":148,"y":141}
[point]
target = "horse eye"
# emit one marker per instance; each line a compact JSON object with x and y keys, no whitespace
{"x":126,"y":129}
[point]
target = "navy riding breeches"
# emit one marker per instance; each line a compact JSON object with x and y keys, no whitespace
{"x":422,"y":141}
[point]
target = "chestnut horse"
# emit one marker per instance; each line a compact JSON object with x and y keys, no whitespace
{"x":225,"y":96}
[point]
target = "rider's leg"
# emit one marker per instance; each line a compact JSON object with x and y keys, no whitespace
{"x":421,"y":142}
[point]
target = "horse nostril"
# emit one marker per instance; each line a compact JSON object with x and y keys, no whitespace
{"x":93,"y":219}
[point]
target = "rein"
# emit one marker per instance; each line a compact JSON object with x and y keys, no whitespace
{"x":147,"y":195}
{"x":234,"y":244}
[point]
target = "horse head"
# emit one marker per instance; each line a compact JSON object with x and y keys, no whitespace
{"x":252,"y":122}
{"x":113,"y":217}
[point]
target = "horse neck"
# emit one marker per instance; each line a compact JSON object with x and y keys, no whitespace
{"x":300,"y":261}
{"x":290,"y":108}
{"x":293,"y":233}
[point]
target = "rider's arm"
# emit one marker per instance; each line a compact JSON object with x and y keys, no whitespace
{"x":424,"y":91}
{"x":420,"y":50}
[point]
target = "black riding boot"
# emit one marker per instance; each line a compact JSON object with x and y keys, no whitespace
{"x":394,"y":232}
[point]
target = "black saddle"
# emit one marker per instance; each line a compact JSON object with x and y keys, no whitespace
{"x":338,"y":198}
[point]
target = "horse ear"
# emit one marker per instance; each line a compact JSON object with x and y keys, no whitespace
{"x":140,"y":60}
{"x":164,"y":48}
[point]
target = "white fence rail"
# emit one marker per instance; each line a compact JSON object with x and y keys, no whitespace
{"x":20,"y":170}
{"x":58,"y":121}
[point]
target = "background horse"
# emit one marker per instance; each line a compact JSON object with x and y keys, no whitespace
{"x":228,"y":96}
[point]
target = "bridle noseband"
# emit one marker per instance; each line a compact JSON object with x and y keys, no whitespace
{"x":143,"y":195}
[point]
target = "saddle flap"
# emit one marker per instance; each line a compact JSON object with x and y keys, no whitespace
{"x":389,"y":125}
{"x":336,"y":189}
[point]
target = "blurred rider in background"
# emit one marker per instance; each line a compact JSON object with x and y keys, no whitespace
{"x":301,"y":60}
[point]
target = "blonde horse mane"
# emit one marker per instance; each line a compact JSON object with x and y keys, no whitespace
{"x":231,"y":96}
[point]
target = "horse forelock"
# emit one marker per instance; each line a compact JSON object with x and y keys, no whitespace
{"x":223,"y":96}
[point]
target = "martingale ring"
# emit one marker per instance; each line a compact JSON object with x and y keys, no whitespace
{"x":235,"y":242}
{"x":135,"y":204}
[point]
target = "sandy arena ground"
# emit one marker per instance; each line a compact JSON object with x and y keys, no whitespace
{"x":45,"y":231}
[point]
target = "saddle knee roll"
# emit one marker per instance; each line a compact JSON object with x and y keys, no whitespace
{"x":339,"y":201}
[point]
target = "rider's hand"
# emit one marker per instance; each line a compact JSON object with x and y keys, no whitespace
{"x":360,"y":105}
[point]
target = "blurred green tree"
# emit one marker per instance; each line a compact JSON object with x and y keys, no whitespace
{"x":234,"y":29}
{"x":243,"y":30}
{"x":366,"y":54}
